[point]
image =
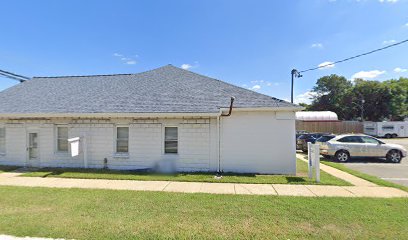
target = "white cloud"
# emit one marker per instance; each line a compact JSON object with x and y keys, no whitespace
{"x":255,"y":88}
{"x":388,"y":1}
{"x":269,"y":84}
{"x":386,"y":42}
{"x":124,"y":59}
{"x":257,"y":81}
{"x":316,"y":45}
{"x":244,"y":85}
{"x":186,"y":66}
{"x":305,"y":97}
{"x":325,"y":65}
{"x":400,"y":70}
{"x":367,"y":74}
{"x":406,"y":25}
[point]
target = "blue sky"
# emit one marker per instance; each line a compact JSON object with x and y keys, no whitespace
{"x":253,"y":44}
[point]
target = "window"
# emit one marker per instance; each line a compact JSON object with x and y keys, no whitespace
{"x":2,"y":140}
{"x":122,"y":139}
{"x":350,"y":139}
{"x":370,"y":140}
{"x":325,"y":138}
{"x":170,"y":140}
{"x":62,"y":139}
{"x":388,"y":127}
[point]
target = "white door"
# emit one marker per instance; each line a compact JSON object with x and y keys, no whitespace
{"x":33,"y":151}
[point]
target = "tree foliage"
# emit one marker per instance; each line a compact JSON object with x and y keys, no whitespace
{"x":375,"y":100}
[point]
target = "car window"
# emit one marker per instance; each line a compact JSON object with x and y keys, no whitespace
{"x":302,"y":137}
{"x":350,"y":139}
{"x":369,"y":140}
{"x":324,"y":138}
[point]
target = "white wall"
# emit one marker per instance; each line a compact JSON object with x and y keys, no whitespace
{"x":146,"y":143}
{"x":259,"y":142}
{"x":250,"y":142}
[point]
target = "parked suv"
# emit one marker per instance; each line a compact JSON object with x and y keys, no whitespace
{"x":346,"y":146}
{"x":302,"y":140}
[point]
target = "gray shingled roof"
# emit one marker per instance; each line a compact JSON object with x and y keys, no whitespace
{"x":166,"y":89}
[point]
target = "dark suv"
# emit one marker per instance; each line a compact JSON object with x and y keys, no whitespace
{"x":302,"y":140}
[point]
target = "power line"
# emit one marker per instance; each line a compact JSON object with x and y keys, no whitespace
{"x":297,"y":74}
{"x":14,"y":76}
{"x":356,"y":56}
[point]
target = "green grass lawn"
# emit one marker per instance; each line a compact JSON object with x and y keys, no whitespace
{"x":300,"y":178}
{"x":113,"y":214}
{"x":7,"y":168}
{"x":359,"y":174}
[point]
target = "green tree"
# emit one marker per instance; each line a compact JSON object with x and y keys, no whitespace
{"x":331,"y":95}
{"x":377,"y":100}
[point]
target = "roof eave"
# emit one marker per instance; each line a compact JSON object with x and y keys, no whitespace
{"x":105,"y":115}
{"x":266,"y":109}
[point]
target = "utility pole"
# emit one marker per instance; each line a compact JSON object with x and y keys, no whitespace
{"x":294,"y":73}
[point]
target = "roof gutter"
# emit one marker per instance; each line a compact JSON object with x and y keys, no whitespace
{"x":266,"y":109}
{"x":105,"y":115}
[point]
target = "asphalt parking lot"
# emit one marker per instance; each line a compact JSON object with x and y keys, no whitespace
{"x":394,"y":172}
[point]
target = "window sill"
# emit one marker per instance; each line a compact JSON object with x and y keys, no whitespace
{"x":121,"y":155}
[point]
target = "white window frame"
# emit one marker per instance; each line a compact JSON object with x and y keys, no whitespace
{"x":5,"y":136}
{"x":164,"y":140}
{"x":115,"y":143}
{"x":56,"y":138}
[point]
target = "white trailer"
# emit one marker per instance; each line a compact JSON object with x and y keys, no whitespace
{"x":386,"y":129}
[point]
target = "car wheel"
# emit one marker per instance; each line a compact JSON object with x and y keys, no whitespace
{"x":394,"y":156}
{"x":388,"y":135}
{"x":342,"y":156}
{"x":394,"y":135}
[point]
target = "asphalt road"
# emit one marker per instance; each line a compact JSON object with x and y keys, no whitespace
{"x":394,"y":172}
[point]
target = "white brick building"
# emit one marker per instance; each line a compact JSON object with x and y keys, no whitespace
{"x":140,"y":120}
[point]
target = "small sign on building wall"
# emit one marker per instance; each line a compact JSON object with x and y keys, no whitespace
{"x":74,"y":142}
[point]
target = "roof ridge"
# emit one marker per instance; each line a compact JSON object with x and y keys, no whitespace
{"x":105,"y":75}
{"x":277,"y":99}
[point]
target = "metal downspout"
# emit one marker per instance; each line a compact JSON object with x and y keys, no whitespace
{"x":219,"y":131}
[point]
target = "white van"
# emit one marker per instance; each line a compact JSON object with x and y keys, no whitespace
{"x":386,"y":129}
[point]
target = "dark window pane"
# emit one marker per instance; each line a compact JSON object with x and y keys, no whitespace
{"x":122,"y":146}
{"x":62,"y":145}
{"x":351,"y":139}
{"x":62,"y":132}
{"x":122,"y":132}
{"x":170,"y":146}
{"x":171,"y":133}
{"x":2,"y":140}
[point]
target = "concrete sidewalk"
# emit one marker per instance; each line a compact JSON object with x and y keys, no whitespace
{"x":356,"y":181}
{"x":12,"y":179}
